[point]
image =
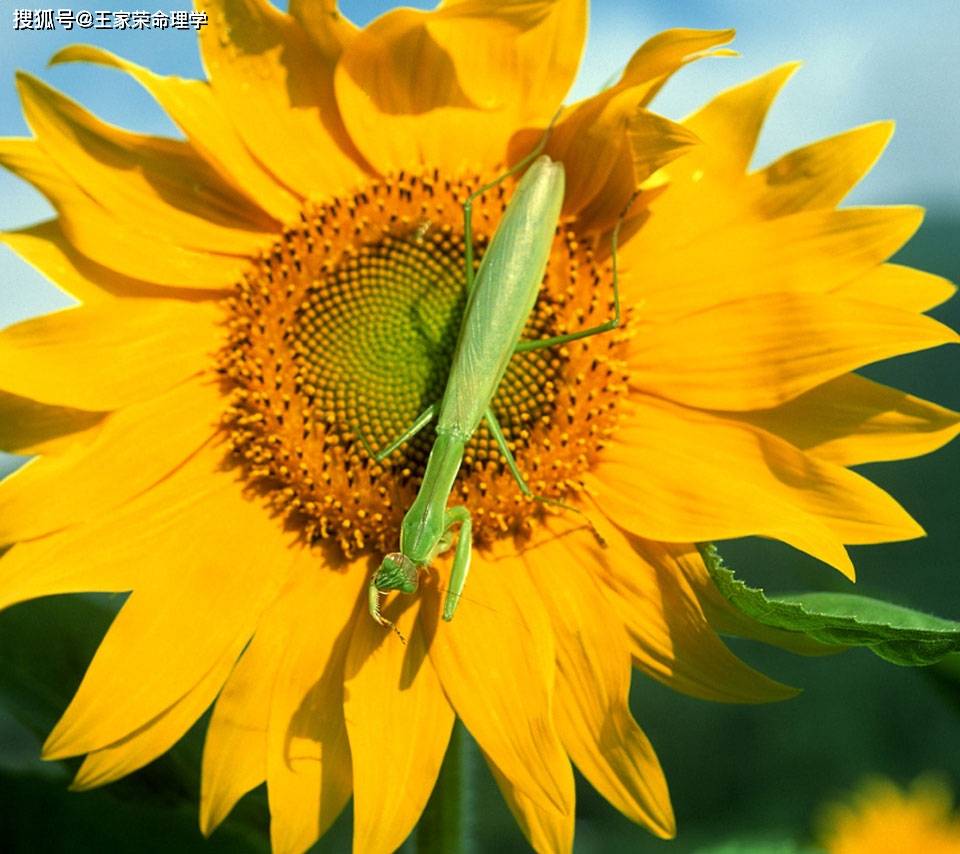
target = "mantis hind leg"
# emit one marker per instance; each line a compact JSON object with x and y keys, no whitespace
{"x":501,"y":441}
{"x":505,"y":451}
{"x":461,"y":558}
{"x":600,"y":328}
{"x":421,"y":421}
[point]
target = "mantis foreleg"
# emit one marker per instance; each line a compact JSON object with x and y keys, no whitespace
{"x":461,"y":558}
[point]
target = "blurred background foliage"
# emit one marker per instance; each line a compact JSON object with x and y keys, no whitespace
{"x":743,"y":778}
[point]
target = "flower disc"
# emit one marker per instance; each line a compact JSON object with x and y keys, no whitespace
{"x":345,"y":332}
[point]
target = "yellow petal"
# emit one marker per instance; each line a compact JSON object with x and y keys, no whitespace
{"x":710,"y":179}
{"x":93,"y":478}
{"x":541,"y":63}
{"x":852,"y":420}
{"x":592,"y":711}
{"x":654,"y":142}
{"x":162,"y":643}
{"x":192,"y":106}
{"x":855,"y":510}
{"x":308,"y":755}
{"x":159,"y":184}
{"x":448,"y":87}
{"x":899,"y":287}
{"x":155,"y":738}
{"x":28,"y":571}
{"x":399,"y":723}
{"x":818,"y":175}
{"x":751,"y":482}
{"x":110,"y":354}
{"x":761,"y":352}
{"x":608,"y":204}
{"x":670,"y":638}
{"x":129,"y":250}
{"x":548,"y":830}
{"x":595,"y":134}
{"x":275,"y":85}
{"x":235,"y":749}
{"x":730,"y":123}
{"x":28,"y":427}
{"x":46,"y":248}
{"x":323,"y":22}
{"x":656,"y":60}
{"x":496,"y":663}
{"x":807,"y":252}
{"x":609,"y":143}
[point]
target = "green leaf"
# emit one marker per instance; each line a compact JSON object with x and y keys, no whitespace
{"x":899,"y":635}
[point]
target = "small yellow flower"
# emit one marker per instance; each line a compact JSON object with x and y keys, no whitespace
{"x":291,"y":273}
{"x":882,"y":818}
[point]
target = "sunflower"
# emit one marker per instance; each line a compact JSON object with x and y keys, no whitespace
{"x":289,"y":277}
{"x":882,"y":818}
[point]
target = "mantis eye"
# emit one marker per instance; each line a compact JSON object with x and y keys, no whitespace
{"x":397,"y":572}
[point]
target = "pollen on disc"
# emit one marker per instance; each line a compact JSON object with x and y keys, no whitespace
{"x":343,"y":333}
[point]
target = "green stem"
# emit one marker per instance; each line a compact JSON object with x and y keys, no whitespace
{"x":444,"y":827}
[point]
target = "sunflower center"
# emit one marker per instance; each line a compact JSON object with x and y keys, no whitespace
{"x":374,"y":339}
{"x":344,"y":333}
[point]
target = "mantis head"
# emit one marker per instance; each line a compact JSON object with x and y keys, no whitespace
{"x":396,"y":572}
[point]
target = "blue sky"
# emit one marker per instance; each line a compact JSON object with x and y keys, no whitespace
{"x":863,"y":60}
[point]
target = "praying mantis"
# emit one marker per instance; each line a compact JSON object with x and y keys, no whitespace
{"x":500,"y":298}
